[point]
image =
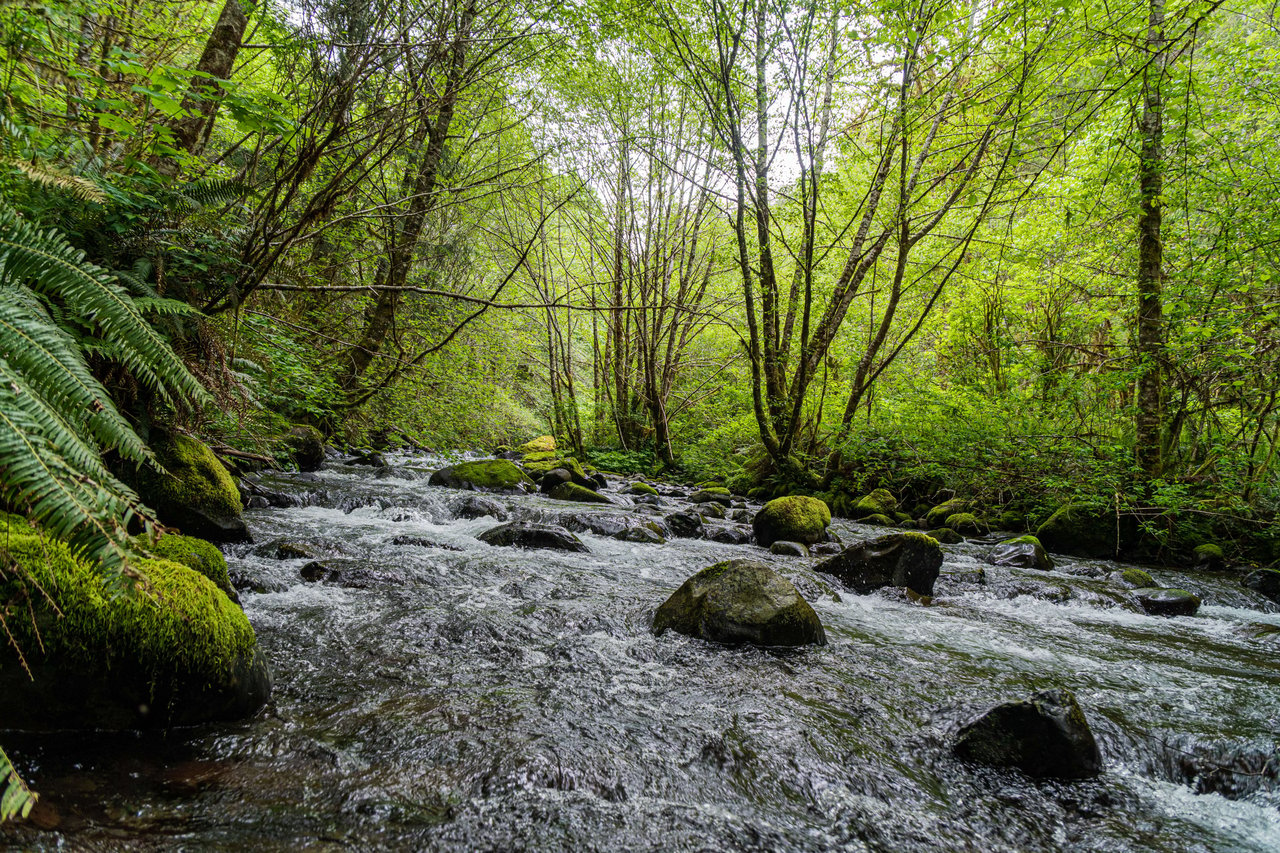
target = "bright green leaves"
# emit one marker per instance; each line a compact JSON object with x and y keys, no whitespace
{"x":16,"y":800}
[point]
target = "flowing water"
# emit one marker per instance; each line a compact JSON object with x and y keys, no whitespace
{"x":447,"y":694}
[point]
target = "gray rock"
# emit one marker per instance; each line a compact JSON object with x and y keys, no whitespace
{"x":1167,"y":602}
{"x":1023,"y":552}
{"x":728,"y":535}
{"x":1046,"y":735}
{"x":910,"y":560}
{"x":475,"y":506}
{"x":685,"y":525}
{"x":527,"y":534}
{"x":788,"y":549}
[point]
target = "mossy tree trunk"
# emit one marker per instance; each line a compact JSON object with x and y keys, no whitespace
{"x":1150,"y":322}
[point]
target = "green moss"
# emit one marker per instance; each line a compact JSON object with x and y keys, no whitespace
{"x":540,"y":456}
{"x":182,"y":622}
{"x":922,"y":538}
{"x":882,"y":520}
{"x":938,"y":516}
{"x":795,"y":518}
{"x":541,"y":444}
{"x":878,"y":502}
{"x":1209,"y":554}
{"x":964,"y":522}
{"x":642,"y":489}
{"x":195,"y":478}
{"x":1026,"y":539}
{"x":1137,"y":578}
{"x":490,"y":474}
{"x":552,"y":461}
{"x":574,"y":492}
{"x":193,"y":553}
{"x":716,"y":490}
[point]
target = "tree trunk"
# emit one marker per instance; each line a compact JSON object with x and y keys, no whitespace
{"x":216,"y":64}
{"x":1150,"y":326}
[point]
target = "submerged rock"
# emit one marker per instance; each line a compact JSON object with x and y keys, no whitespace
{"x":795,"y":518}
{"x":527,"y":534}
{"x":179,"y":653}
{"x":196,"y":493}
{"x":423,"y":542}
{"x":1023,"y":552}
{"x":909,"y":560}
{"x":788,"y":549}
{"x":494,"y":475}
{"x":1265,"y":582}
{"x":1046,"y":735}
{"x":1167,"y":602}
{"x":643,"y":535}
{"x":685,"y":525}
{"x":741,"y":601}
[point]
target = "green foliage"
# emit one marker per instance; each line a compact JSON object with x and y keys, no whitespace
{"x":623,"y":461}
{"x":16,"y":799}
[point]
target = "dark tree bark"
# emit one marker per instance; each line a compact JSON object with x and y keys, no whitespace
{"x":1150,"y":325}
{"x":200,"y":105}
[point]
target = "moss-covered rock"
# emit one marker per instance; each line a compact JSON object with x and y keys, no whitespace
{"x":541,"y":444}
{"x":1132,"y":578}
{"x":641,"y":489}
{"x":712,"y":494}
{"x":170,"y":650}
{"x":878,"y":519}
{"x":1167,"y":602}
{"x":945,"y":535}
{"x":937,"y":517}
{"x":490,"y":475}
{"x":795,"y":518}
{"x":528,"y":534}
{"x":740,"y":601}
{"x":908,"y":560}
{"x":878,"y":502}
{"x":306,"y":447}
{"x":1209,"y":557}
{"x":1010,"y":520}
{"x":1023,"y":552}
{"x":539,"y":456}
{"x":1046,"y":735}
{"x":196,"y":554}
{"x":966,"y":524}
{"x":1079,"y":531}
{"x":788,"y":549}
{"x":195,"y":493}
{"x":574,"y":492}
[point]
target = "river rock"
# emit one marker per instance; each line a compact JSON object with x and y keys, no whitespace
{"x":794,"y":518}
{"x":574,"y":492}
{"x":639,"y":488}
{"x":741,"y":601}
{"x":714,"y":494}
{"x":938,"y":515}
{"x":788,"y":549}
{"x":492,"y":475}
{"x":1079,"y":531}
{"x":684,"y":525}
{"x":306,"y":447}
{"x":1131,"y":578}
{"x":712,"y":510}
{"x":474,"y":506}
{"x":196,"y":494}
{"x":183,"y":654}
{"x":554,"y":477}
{"x":966,"y":524}
{"x":909,"y":560}
{"x":1023,"y":552}
{"x":423,"y":542}
{"x":946,"y":536}
{"x":371,"y":458}
{"x":541,"y":444}
{"x":1046,"y":735}
{"x":598,"y":523}
{"x":197,"y":554}
{"x":825,"y":549}
{"x":1265,"y":582}
{"x":1158,"y":601}
{"x":527,"y":534}
{"x":1209,"y":558}
{"x":879,"y":502}
{"x":728,"y":534}
{"x":643,"y":535}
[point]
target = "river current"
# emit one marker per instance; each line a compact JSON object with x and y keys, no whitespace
{"x":443,"y":694}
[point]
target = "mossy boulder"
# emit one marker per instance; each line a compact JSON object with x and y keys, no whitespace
{"x":641,"y":489}
{"x":908,"y":560}
{"x":1046,"y":735}
{"x":170,"y":649}
{"x":1132,"y":578}
{"x":1079,"y":531}
{"x":574,"y":492}
{"x":489,"y":475}
{"x":795,"y":518}
{"x":306,"y":447}
{"x":938,"y":515}
{"x":966,"y":524}
{"x":195,"y":492}
{"x":1167,"y":602}
{"x":1209,"y":557}
{"x":712,"y":494}
{"x":1022,"y":552}
{"x":528,"y":534}
{"x":1265,"y":582}
{"x":684,"y":525}
{"x":541,"y":444}
{"x":740,"y":601}
{"x":196,"y":554}
{"x":788,"y":549}
{"x":946,"y":536}
{"x":878,"y":519}
{"x":878,"y":502}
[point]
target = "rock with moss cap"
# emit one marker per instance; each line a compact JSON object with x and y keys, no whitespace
{"x":196,"y":554}
{"x":1132,"y":578}
{"x":1167,"y":602}
{"x":489,"y":475}
{"x":945,"y":535}
{"x":1046,"y":735}
{"x":937,"y":517}
{"x":574,"y":492}
{"x":1022,"y":552}
{"x":195,"y":493}
{"x":878,"y":520}
{"x":966,"y":524}
{"x":541,"y":444}
{"x":878,"y":502}
{"x":712,"y":494}
{"x":639,"y":488}
{"x":1209,"y":557}
{"x":795,"y":518}
{"x":306,"y":447}
{"x":741,"y":601}
{"x":1079,"y":531}
{"x":908,"y":560}
{"x":174,"y":651}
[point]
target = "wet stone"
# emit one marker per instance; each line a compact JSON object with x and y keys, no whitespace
{"x":1046,"y":735}
{"x":788,"y":549}
{"x":685,"y":525}
{"x":527,"y":534}
{"x":478,"y":507}
{"x":728,"y":535}
{"x":1167,"y":602}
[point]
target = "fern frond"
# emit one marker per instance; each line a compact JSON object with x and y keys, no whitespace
{"x":59,"y":179}
{"x":16,"y":799}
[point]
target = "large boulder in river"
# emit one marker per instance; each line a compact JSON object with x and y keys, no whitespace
{"x":168,"y":649}
{"x":1023,"y":552}
{"x":1158,"y":601}
{"x":1046,"y":735}
{"x":741,"y":601}
{"x":489,"y":475}
{"x":909,"y":560}
{"x":204,"y":557}
{"x":527,"y":534}
{"x":574,"y":492}
{"x":1265,"y":582}
{"x":794,"y":518}
{"x":195,"y":492}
